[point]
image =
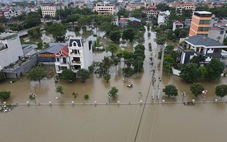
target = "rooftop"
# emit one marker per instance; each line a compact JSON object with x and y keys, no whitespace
{"x":5,"y":36}
{"x":202,"y":12}
{"x":203,"y":40}
{"x":54,"y":48}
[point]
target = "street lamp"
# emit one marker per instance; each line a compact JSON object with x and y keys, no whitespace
{"x":108,"y":97}
{"x":183,"y":94}
{"x":204,"y":92}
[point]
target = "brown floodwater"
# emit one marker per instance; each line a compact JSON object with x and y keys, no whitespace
{"x":203,"y":122}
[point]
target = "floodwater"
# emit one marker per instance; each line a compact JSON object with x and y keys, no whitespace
{"x":174,"y":122}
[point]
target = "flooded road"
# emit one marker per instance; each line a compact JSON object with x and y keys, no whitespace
{"x":203,"y":122}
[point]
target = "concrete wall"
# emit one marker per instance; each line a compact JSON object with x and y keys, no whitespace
{"x":22,"y":70}
{"x":176,"y":72}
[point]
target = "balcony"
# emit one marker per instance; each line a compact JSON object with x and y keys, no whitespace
{"x":76,"y":62}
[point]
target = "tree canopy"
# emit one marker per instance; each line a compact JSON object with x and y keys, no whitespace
{"x":57,"y":30}
{"x":36,"y":74}
{"x":112,"y":48}
{"x":83,"y":74}
{"x":128,"y":34}
{"x":113,"y":92}
{"x":67,"y":75}
{"x":196,"y":89}
{"x":221,"y":90}
{"x":170,"y":90}
{"x":214,"y":69}
{"x":190,"y":73}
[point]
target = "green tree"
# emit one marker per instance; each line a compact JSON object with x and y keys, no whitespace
{"x":214,"y":69}
{"x":221,"y":90}
{"x":196,"y":89}
{"x":39,"y":45}
{"x":67,"y":75}
{"x":34,"y":33}
{"x":225,"y":41}
{"x":123,"y":12}
{"x":57,"y":30}
{"x":107,"y":77}
{"x":2,"y":29}
{"x":83,"y":74}
{"x":190,"y":73}
{"x":86,"y":96}
{"x":128,"y":34}
{"x":168,"y":63}
{"x":163,"y":7}
{"x":170,"y":90}
{"x":4,"y":95}
{"x":59,"y":89}
{"x":32,"y":19}
{"x":160,"y":40}
{"x":112,"y":48}
{"x":202,"y":71}
{"x":36,"y":74}
{"x":115,"y":36}
{"x":113,"y":92}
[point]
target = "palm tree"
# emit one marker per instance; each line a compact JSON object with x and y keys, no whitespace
{"x":112,"y":48}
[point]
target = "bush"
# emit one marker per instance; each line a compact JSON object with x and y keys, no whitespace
{"x":86,"y":96}
{"x":4,"y":95}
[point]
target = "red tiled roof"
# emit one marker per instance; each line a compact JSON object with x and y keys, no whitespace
{"x":123,"y":20}
{"x":65,"y":51}
{"x":178,"y":23}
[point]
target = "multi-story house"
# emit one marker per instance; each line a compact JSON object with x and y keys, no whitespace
{"x":200,"y":23}
{"x":218,"y":31}
{"x":50,"y":9}
{"x":162,"y":17}
{"x":177,"y":25}
{"x":103,"y":8}
{"x":76,"y":55}
{"x":201,"y":45}
{"x":151,"y":12}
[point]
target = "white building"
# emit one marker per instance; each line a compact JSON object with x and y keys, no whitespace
{"x":177,"y":25}
{"x":162,"y":17}
{"x":76,"y":55}
{"x":103,"y":8}
{"x":50,"y":9}
{"x":10,"y":49}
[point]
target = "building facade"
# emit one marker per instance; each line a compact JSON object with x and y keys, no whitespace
{"x":151,"y":12}
{"x":50,"y":9}
{"x":200,"y":23}
{"x":102,"y":8}
{"x":76,"y":55}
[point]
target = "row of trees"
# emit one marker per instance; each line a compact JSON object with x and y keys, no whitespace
{"x":196,"y":89}
{"x":191,"y":72}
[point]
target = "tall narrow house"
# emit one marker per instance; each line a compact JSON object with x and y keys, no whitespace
{"x":200,"y":23}
{"x":76,"y":55}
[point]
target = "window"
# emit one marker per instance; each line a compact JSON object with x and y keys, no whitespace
{"x":203,"y":28}
{"x":204,"y":22}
